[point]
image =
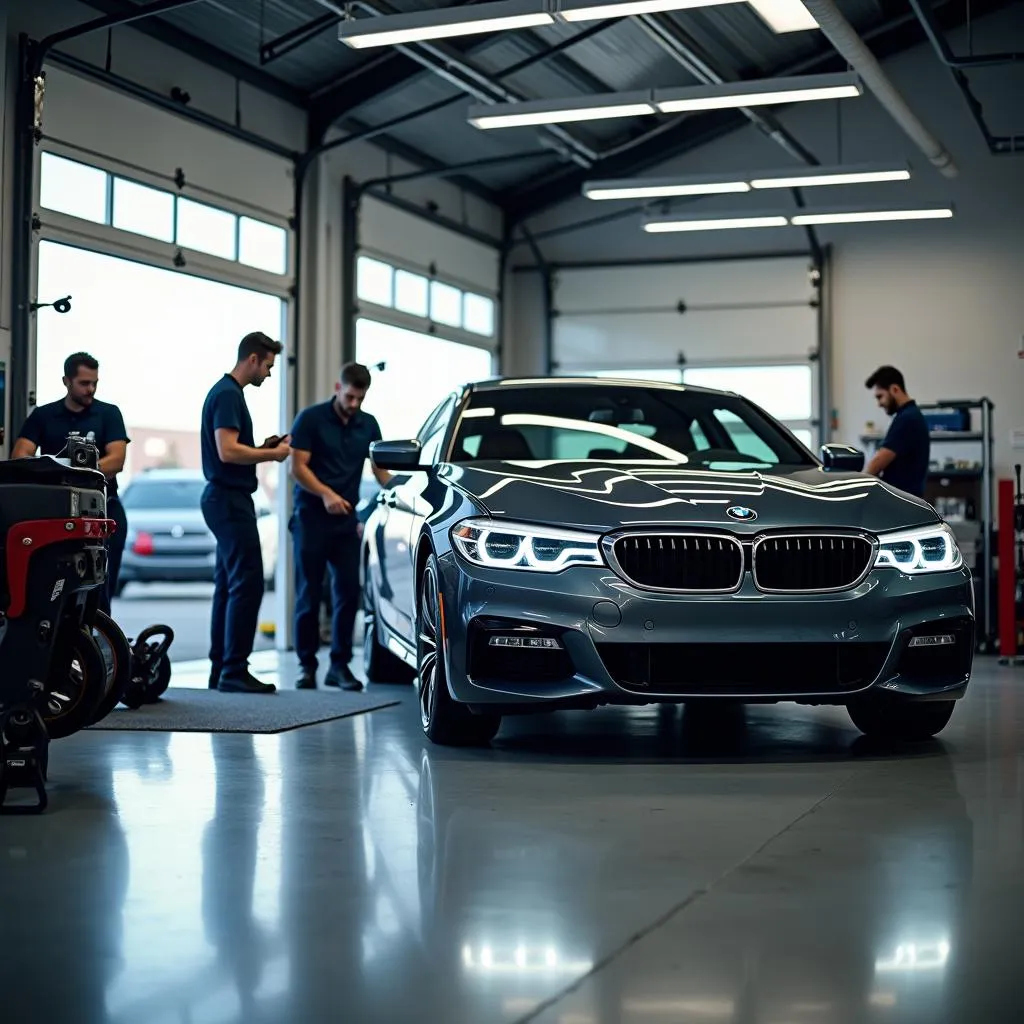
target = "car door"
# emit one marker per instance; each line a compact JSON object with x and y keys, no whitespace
{"x":401,"y":526}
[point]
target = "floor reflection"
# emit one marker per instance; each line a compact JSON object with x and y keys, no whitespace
{"x":761,"y":867}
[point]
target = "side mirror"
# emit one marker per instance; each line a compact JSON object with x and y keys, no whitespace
{"x":402,"y":456}
{"x":842,"y":458}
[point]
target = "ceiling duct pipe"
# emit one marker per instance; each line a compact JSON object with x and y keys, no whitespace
{"x":850,"y":46}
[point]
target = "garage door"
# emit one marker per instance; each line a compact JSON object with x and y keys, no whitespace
{"x":418,"y":275}
{"x":749,"y":326}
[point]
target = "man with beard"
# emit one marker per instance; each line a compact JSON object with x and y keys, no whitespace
{"x":230,"y":457}
{"x":902,"y":460}
{"x":81,"y":413}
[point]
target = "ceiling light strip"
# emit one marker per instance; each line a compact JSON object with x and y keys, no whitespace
{"x":419,"y":26}
{"x":632,"y":104}
{"x":722,"y":220}
{"x":717,"y":184}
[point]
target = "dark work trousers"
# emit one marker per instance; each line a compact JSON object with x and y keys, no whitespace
{"x":115,"y":549}
{"x":237,"y":579}
{"x":319,"y":544}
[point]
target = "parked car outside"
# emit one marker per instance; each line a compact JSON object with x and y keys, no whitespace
{"x":168,"y":540}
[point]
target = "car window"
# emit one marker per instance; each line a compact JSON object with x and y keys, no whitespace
{"x":636,"y":422}
{"x":163,"y":494}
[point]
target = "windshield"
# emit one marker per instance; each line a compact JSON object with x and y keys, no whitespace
{"x":622,"y":422}
{"x":163,"y":494}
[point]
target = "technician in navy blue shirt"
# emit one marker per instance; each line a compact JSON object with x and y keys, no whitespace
{"x":330,"y":444}
{"x":905,"y":453}
{"x":230,"y":457}
{"x":80,"y":412}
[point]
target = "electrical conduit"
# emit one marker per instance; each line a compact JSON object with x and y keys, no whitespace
{"x":850,"y":46}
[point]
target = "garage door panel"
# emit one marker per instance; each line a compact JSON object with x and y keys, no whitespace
{"x":719,"y":336}
{"x":396,"y":235}
{"x":725,"y":283}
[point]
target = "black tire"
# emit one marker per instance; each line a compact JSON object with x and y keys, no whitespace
{"x":902,"y":721}
{"x":444,"y":721}
{"x":117,"y":656}
{"x":77,"y":684}
{"x":379,"y":664}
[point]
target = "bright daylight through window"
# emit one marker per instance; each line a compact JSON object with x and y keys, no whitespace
{"x":191,"y":331}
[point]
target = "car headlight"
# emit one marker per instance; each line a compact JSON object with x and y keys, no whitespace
{"x":495,"y":544}
{"x":926,"y":549}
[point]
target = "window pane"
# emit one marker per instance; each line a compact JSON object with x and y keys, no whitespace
{"x":782,"y":391}
{"x":478,"y":311}
{"x":805,"y":437}
{"x":143,"y":210}
{"x":206,"y":229}
{"x":411,"y":293}
{"x":445,"y":304}
{"x":374,"y":281}
{"x":73,"y":188}
{"x":261,"y":245}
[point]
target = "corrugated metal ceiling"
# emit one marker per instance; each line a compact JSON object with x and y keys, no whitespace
{"x":380,"y":85}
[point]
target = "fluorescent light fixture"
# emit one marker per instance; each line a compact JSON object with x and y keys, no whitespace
{"x":418,"y":26}
{"x":590,"y":108}
{"x":810,"y":218}
{"x":633,"y":104}
{"x":587,"y":10}
{"x":829,"y":176}
{"x":713,"y":222}
{"x":800,"y":88}
{"x":719,"y":184}
{"x":784,"y":15}
{"x":661,"y":188}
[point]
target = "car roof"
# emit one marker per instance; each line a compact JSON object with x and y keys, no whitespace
{"x":498,"y":383}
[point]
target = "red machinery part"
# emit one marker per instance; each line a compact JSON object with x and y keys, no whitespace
{"x":25,"y":538}
{"x":1007,"y":571}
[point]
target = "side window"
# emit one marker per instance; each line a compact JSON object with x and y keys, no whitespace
{"x":432,"y":434}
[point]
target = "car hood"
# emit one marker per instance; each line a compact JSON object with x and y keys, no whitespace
{"x":604,"y":496}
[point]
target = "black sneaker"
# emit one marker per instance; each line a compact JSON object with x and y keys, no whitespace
{"x":341,"y":676}
{"x":244,"y":684}
{"x":307,"y":681}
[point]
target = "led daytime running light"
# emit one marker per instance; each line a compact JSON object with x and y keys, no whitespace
{"x":532,"y":548}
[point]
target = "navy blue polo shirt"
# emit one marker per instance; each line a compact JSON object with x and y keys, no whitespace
{"x":337,"y":452}
{"x":48,"y":427}
{"x":225,"y":407}
{"x":908,"y":438}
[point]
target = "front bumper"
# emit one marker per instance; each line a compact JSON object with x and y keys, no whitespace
{"x":621,"y":645}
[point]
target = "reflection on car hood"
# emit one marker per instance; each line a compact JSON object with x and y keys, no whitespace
{"x":602,"y":496}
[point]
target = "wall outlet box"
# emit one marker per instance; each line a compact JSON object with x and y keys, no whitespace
{"x":1017,"y":438}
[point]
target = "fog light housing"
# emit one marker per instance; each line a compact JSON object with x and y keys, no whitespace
{"x":533,"y":643}
{"x":934,"y":640}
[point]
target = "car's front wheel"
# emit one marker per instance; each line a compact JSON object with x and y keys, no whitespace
{"x":444,"y":720}
{"x":903,"y":720}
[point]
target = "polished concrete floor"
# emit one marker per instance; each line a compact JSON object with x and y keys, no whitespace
{"x":644,"y":867}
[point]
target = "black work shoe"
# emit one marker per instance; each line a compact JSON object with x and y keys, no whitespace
{"x":307,"y":681}
{"x":214,"y":678}
{"x":341,"y":676}
{"x":244,"y":684}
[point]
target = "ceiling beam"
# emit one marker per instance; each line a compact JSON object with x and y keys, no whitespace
{"x":680,"y":135}
{"x":168,"y":34}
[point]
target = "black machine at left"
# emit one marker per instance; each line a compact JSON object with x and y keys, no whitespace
{"x":64,"y":664}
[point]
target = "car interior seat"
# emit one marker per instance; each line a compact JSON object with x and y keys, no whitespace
{"x":504,"y":444}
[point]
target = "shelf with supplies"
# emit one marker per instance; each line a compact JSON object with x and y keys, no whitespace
{"x":962,"y":492}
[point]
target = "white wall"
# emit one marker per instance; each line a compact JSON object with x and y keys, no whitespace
{"x":942,"y":300}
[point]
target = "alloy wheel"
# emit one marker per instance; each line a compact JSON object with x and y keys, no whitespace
{"x":427,"y":646}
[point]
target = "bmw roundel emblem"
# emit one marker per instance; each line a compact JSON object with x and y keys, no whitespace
{"x":742,"y":513}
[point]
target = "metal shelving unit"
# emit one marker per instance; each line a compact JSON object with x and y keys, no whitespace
{"x":970,"y":483}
